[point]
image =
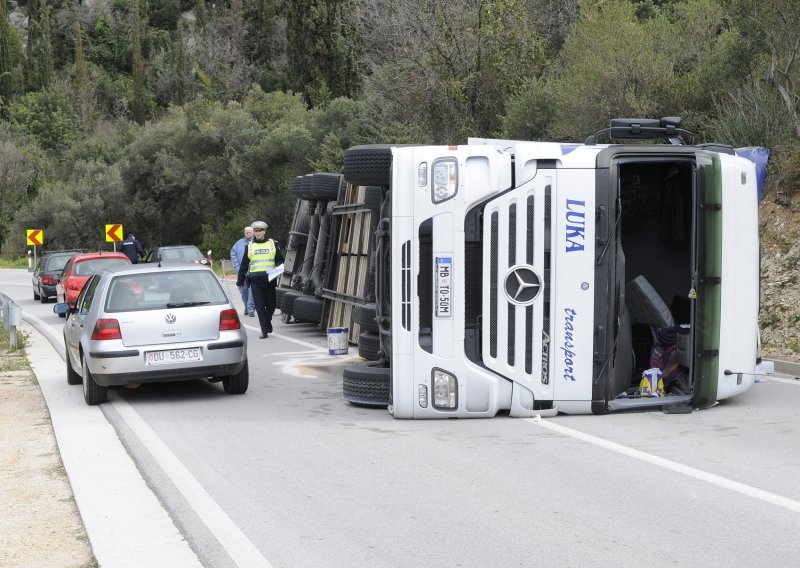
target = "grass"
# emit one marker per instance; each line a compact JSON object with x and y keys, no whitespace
{"x":21,"y":262}
{"x":13,"y":360}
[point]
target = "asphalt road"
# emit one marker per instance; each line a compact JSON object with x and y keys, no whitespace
{"x":290,"y":475}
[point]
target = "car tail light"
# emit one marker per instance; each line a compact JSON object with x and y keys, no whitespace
{"x":47,"y":279}
{"x":228,"y":320}
{"x":106,"y":329}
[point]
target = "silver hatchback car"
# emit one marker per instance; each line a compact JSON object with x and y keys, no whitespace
{"x":138,"y":324}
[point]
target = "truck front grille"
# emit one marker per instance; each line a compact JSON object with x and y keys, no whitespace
{"x":512,"y":336}
{"x":405,"y":292}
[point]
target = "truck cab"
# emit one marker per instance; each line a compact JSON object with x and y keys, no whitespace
{"x":528,"y":278}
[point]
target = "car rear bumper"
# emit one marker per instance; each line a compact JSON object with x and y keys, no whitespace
{"x":167,"y":374}
{"x":47,"y":290}
{"x":117,"y":365}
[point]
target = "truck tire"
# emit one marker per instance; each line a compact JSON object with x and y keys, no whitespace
{"x":325,"y":186}
{"x":307,"y":309}
{"x":287,"y":302}
{"x":373,"y":197}
{"x":302,"y":188}
{"x":279,"y":292}
{"x":366,"y":384}
{"x":369,"y":346}
{"x":365,"y":317}
{"x":368,"y":165}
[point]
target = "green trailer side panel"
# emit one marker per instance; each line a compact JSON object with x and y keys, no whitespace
{"x":707,"y":281}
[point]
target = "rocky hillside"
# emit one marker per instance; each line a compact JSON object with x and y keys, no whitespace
{"x":780,"y":277}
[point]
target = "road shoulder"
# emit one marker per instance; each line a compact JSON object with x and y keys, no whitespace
{"x":125,"y":522}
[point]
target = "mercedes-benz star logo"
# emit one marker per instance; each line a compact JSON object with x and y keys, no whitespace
{"x":170,"y":318}
{"x":523,"y":285}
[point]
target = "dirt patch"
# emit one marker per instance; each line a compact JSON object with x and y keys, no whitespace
{"x":39,"y":522}
{"x":780,"y":278}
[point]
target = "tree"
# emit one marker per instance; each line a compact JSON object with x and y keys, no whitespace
{"x":320,"y":46}
{"x":7,"y":65}
{"x":769,"y":28}
{"x":181,"y":79}
{"x":201,"y":15}
{"x":139,"y":17}
{"x":39,"y":64}
{"x":447,"y":67}
{"x":47,"y":116}
{"x":82,"y":94}
{"x":21,"y":168}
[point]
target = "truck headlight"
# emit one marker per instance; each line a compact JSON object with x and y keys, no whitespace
{"x":445,"y":179}
{"x":445,"y":389}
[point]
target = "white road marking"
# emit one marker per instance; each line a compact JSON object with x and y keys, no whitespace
{"x":717,"y":480}
{"x":243,"y":552}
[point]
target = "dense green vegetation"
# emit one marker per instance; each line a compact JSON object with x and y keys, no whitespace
{"x":185,"y":119}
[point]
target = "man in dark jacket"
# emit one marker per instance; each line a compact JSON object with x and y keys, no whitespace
{"x":261,"y":256}
{"x":132,"y":248}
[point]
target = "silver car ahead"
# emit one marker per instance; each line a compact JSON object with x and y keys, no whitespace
{"x":138,"y":324}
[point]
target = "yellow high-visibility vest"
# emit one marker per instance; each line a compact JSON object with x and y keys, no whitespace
{"x":262,"y":256}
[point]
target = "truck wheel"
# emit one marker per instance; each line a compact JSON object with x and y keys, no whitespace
{"x":365,"y":317}
{"x":365,"y":384}
{"x":369,"y":346}
{"x":373,"y":197}
{"x":307,"y":309}
{"x":302,"y":188}
{"x":92,"y":392}
{"x":238,"y":383}
{"x":325,"y":186}
{"x":368,"y":165}
{"x":287,"y":302}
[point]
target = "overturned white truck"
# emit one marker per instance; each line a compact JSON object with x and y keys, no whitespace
{"x":534,"y":278}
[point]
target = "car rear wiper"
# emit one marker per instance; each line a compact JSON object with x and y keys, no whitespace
{"x":185,"y":304}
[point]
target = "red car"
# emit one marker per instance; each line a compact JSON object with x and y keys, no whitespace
{"x":78,"y":270}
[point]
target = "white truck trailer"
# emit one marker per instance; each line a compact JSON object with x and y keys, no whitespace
{"x":530,"y":278}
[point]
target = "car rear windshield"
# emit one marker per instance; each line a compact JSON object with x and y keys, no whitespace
{"x":164,"y":290}
{"x":185,"y":253}
{"x":93,"y":265}
{"x":56,"y":263}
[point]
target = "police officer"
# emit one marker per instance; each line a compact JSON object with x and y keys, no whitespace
{"x":132,"y":248}
{"x":260,"y":256}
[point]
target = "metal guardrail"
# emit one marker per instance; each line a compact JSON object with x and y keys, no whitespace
{"x":12,"y":318}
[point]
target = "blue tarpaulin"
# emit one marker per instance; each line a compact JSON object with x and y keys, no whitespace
{"x":759,"y":156}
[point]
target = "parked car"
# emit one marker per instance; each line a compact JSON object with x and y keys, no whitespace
{"x":48,"y":269}
{"x":177,"y":254}
{"x":78,"y":270}
{"x":143,"y":323}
